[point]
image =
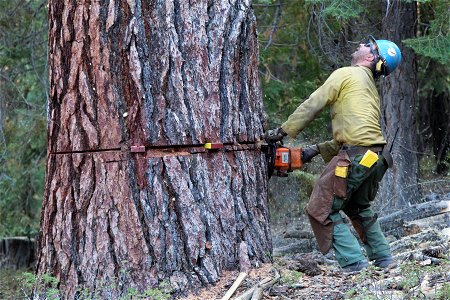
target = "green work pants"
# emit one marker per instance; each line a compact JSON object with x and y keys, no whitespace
{"x":362,"y":186}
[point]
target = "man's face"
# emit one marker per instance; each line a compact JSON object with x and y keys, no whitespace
{"x":362,"y":53}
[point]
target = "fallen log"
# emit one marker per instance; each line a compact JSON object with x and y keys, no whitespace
{"x":427,"y":238}
{"x":257,"y":293}
{"x":440,"y":221}
{"x":394,"y":221}
{"x":297,"y":246}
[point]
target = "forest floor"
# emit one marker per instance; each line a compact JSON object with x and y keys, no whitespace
{"x":299,"y":271}
{"x":314,"y":276}
{"x":422,"y":268}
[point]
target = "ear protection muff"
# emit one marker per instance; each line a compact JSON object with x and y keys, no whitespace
{"x":378,"y":66}
{"x":381,"y":68}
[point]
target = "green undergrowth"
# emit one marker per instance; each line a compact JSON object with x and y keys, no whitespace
{"x":26,"y":285}
{"x":291,"y":277}
{"x":10,"y":286}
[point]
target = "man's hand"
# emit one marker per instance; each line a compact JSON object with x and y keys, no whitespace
{"x":309,"y":152}
{"x":274,"y":135}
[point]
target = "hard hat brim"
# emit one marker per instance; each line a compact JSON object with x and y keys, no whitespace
{"x":373,"y":40}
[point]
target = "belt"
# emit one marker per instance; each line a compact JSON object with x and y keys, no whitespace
{"x":356,"y":150}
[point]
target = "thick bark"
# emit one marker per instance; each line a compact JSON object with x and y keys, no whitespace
{"x":161,"y":78}
{"x":399,"y":93}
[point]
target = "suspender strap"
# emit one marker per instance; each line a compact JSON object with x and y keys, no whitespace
{"x":372,"y":220}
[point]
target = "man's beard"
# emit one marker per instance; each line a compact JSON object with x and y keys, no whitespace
{"x":355,"y":58}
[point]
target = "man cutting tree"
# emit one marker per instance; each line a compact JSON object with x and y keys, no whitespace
{"x":357,"y":156}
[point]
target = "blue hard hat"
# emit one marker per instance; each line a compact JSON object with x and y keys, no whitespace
{"x":389,"y":56}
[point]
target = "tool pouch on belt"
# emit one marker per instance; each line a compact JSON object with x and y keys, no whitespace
{"x":331,"y":183}
{"x":341,"y":172}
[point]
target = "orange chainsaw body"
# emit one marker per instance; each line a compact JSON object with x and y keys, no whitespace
{"x":288,"y":159}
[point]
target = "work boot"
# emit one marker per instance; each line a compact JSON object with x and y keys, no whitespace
{"x":384,"y":262}
{"x":356,"y":267}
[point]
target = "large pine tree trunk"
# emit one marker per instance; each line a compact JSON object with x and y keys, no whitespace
{"x":399,"y":93}
{"x":136,"y":89}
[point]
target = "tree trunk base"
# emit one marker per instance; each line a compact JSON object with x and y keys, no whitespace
{"x":143,"y":220}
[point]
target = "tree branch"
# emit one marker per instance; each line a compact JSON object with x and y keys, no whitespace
{"x":274,"y":24}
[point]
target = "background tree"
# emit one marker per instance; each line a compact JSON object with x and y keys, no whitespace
{"x":23,"y":86}
{"x":399,"y":97}
{"x":432,"y":44}
{"x":162,"y":79}
{"x":289,"y":69}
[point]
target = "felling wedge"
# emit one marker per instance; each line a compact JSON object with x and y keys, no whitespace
{"x":212,"y":146}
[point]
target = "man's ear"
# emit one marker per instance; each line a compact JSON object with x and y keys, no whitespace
{"x":370,"y":57}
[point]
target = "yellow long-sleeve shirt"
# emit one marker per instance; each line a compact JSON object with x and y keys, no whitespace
{"x":355,"y":108}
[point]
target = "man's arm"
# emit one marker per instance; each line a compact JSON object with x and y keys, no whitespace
{"x":308,"y":110}
{"x":328,"y":149}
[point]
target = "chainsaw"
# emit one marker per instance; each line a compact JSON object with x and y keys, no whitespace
{"x":282,"y":160}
